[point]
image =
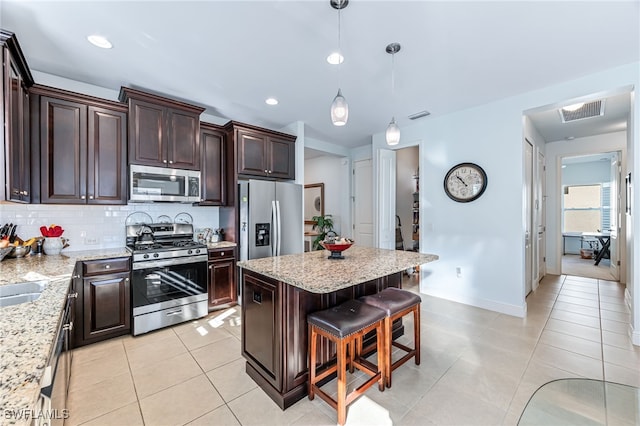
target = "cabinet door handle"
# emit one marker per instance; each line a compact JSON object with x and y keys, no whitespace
{"x":82,"y":197}
{"x":107,"y":266}
{"x":91,"y":197}
{"x":266,"y":171}
{"x":170,"y":161}
{"x":164,"y":161}
{"x":73,"y":295}
{"x":16,"y":192}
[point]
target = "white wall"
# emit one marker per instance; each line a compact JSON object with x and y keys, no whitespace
{"x":334,"y":173}
{"x":485,"y":237}
{"x":587,"y":173}
{"x":632,"y":220}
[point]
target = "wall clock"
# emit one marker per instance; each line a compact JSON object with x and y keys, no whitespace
{"x":465,"y":182}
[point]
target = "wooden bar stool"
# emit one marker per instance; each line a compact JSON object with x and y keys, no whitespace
{"x":343,"y":324}
{"x":397,"y":303}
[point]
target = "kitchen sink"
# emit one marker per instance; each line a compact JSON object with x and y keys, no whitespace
{"x":13,"y":294}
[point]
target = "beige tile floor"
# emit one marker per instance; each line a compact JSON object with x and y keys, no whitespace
{"x":478,"y":367}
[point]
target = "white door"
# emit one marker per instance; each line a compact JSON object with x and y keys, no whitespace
{"x":528,"y":240}
{"x":363,"y":203}
{"x":615,"y":200}
{"x":540,"y":205}
{"x":386,"y":199}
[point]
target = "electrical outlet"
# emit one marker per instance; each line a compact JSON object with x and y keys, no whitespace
{"x":91,"y":240}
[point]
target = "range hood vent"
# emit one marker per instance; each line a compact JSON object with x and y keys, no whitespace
{"x":588,"y":110}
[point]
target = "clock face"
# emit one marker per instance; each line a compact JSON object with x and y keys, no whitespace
{"x":465,"y":182}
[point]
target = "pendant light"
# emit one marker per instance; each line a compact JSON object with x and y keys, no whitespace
{"x":392,"y":135}
{"x":339,"y":107}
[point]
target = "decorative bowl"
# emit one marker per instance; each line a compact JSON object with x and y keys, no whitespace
{"x":336,"y":249}
{"x":20,"y":251}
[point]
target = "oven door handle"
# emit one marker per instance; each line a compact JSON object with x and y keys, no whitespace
{"x":168,"y":262}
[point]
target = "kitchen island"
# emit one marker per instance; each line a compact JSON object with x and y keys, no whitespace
{"x":279,"y":292}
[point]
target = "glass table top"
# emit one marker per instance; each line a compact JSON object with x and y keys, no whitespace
{"x":582,"y":402}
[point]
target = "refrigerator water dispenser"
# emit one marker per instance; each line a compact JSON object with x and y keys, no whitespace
{"x":263,"y":234}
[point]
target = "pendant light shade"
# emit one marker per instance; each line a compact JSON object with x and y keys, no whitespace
{"x":339,"y":110}
{"x":339,"y":107}
{"x":393,"y":133}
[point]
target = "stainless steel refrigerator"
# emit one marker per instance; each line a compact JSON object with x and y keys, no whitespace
{"x":270,"y":219}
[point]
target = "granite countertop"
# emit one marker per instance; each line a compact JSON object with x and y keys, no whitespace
{"x":220,"y":244}
{"x":28,"y":330}
{"x":313,"y":272}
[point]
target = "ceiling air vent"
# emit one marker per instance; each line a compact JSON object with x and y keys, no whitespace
{"x":419,"y":115}
{"x":588,"y":110}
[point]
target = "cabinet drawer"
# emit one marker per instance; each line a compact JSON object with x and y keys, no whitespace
{"x":105,"y":266}
{"x":219,"y":254}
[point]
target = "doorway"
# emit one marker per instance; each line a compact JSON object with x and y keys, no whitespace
{"x":407,"y":199}
{"x":589,"y":213}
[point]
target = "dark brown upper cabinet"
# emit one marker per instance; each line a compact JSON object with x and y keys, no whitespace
{"x":265,"y":153}
{"x":213,"y":168}
{"x":82,"y":144}
{"x":162,"y":132}
{"x":16,"y":80}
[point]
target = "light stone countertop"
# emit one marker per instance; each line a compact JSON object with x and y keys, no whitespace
{"x":28,"y":330}
{"x":221,"y":244}
{"x":313,"y":272}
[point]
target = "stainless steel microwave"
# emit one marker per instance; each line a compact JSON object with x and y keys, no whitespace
{"x":149,"y":183}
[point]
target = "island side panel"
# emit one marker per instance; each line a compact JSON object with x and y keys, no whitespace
{"x":262,"y":325}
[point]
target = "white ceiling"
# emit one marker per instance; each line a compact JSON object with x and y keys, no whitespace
{"x":228,"y":56}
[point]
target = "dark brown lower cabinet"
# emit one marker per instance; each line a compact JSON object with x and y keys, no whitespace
{"x":222,"y":278}
{"x":103,"y":307}
{"x":274,"y":331}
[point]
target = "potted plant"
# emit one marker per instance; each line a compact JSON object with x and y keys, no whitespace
{"x":323,"y":224}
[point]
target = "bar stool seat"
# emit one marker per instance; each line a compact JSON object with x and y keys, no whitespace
{"x":397,"y":303}
{"x":343,"y":325}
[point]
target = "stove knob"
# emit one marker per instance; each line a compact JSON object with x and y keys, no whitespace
{"x":156,"y":255}
{"x":146,"y":256}
{"x":190,"y":251}
{"x":197,"y":251}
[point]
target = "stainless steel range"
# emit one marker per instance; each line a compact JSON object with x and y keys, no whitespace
{"x":169,"y":279}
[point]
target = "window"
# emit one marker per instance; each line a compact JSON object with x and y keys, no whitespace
{"x":583,"y":208}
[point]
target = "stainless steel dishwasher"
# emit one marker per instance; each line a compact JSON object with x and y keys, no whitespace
{"x":55,"y":383}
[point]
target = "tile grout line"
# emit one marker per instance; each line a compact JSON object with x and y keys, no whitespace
{"x":532,"y":352}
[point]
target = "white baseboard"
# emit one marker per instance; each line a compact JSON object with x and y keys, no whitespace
{"x":492,"y":305}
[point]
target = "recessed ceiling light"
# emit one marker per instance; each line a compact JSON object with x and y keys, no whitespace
{"x":271,"y":101}
{"x":99,"y":41}
{"x":335,"y":58}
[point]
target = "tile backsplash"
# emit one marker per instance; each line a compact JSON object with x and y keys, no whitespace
{"x":94,"y":227}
